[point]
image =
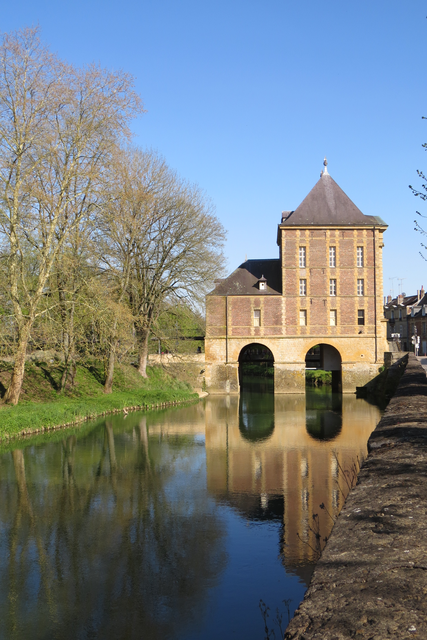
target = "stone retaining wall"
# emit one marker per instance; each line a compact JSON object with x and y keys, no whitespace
{"x":371,"y":581}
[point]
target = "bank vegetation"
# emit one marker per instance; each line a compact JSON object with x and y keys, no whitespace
{"x":102,"y":245}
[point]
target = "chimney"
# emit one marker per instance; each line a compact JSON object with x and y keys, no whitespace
{"x":285,"y":215}
{"x":389,"y":299}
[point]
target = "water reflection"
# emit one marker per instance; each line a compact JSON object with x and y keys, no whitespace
{"x":306,"y":461}
{"x":256,"y":409}
{"x":323,"y":413}
{"x":99,"y":541}
{"x":133,"y":529}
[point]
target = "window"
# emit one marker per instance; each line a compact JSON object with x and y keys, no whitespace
{"x":303,"y":317}
{"x":332,"y":256}
{"x":361,"y":288}
{"x":257,"y":317}
{"x":359,"y":261}
{"x":302,"y":257}
{"x":361,"y":316}
{"x":303,"y":287}
{"x":392,"y":314}
{"x":400,"y":314}
{"x":424,"y":328}
{"x":333,"y":317}
{"x":332,"y":287}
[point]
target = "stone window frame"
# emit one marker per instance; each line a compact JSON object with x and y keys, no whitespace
{"x":332,"y":257}
{"x":360,"y":287}
{"x":302,"y":257}
{"x":333,"y":318}
{"x":360,"y":258}
{"x":303,"y":317}
{"x":303,"y":287}
{"x":332,"y":287}
{"x":257,"y":317}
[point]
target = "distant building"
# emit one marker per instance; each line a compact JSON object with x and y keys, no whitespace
{"x":406,"y":320}
{"x":319,"y":304}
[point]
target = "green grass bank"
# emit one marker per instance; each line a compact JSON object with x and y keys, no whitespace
{"x":43,"y":407}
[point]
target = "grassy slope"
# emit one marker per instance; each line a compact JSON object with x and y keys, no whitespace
{"x":42,"y":406}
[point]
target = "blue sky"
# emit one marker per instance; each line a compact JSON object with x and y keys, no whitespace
{"x":245,"y":98}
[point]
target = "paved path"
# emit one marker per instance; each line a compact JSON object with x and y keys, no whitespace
{"x":371,"y":581}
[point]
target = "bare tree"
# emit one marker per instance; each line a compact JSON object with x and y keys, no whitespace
{"x":162,"y":244}
{"x":177,"y":259}
{"x":125,"y":218}
{"x":58,"y":127}
{"x":421,"y":193}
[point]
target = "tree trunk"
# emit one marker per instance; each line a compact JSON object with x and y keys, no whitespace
{"x":14,"y":389}
{"x":108,"y":385}
{"x":143,"y":352}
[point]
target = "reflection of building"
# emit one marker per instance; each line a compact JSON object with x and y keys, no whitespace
{"x":290,"y":470}
{"x":325,"y":288}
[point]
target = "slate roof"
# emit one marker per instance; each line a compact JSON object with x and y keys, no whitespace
{"x":244,"y":280}
{"x":328,"y":205}
{"x":406,"y":301}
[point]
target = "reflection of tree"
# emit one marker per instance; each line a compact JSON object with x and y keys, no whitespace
{"x":323,"y":414}
{"x":116,"y":549}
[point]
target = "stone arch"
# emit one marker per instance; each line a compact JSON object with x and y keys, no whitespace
{"x":255,"y":353}
{"x":326,"y":356}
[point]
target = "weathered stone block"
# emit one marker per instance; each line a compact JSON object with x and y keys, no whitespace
{"x":289,"y":378}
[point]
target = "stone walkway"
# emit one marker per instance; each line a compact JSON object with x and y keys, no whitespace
{"x":423,"y":361}
{"x":371,"y":581}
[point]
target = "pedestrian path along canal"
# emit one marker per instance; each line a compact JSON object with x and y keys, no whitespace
{"x":174,"y":524}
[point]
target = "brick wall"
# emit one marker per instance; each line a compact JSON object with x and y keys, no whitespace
{"x":281,"y":329}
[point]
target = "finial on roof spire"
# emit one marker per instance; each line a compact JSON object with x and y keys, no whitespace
{"x":325,"y":164}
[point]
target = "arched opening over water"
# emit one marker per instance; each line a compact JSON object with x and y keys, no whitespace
{"x":324,"y":357}
{"x":256,"y":368}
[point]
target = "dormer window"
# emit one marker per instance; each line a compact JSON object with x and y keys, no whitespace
{"x":262,"y":284}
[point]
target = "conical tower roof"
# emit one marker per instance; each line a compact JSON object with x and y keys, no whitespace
{"x":328,"y":205}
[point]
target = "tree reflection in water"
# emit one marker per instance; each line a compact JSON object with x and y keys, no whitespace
{"x":256,"y":409}
{"x":323,"y":413}
{"x":98,"y":540}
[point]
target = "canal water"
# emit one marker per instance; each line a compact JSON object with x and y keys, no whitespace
{"x":175,"y":524}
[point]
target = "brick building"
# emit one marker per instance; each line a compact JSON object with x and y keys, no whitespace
{"x":323,"y":292}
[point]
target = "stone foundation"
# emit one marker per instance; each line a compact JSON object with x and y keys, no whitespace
{"x":222,"y":378}
{"x":357,"y":375}
{"x":289,"y":378}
